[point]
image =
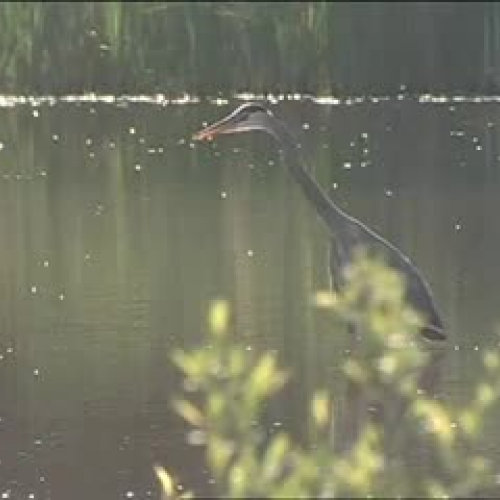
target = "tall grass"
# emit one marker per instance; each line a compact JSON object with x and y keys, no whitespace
{"x":207,"y":47}
{"x":147,"y":46}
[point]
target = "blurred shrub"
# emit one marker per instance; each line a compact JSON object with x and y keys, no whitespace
{"x":232,"y":385}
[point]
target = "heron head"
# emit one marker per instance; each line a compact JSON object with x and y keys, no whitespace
{"x":249,"y":116}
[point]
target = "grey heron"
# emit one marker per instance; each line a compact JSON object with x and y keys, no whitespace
{"x":348,"y":232}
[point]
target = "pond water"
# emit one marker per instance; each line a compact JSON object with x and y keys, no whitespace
{"x":116,"y":232}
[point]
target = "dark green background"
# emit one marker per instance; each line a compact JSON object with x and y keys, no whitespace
{"x":211,"y":47}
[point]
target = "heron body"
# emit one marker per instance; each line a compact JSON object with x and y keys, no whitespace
{"x":348,"y":232}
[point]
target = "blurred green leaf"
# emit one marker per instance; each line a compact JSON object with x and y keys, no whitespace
{"x":247,"y":461}
{"x":219,"y":317}
{"x":189,"y":413}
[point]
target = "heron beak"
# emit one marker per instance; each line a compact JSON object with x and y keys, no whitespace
{"x":224,"y":126}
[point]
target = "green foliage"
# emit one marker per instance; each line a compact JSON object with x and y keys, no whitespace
{"x":232,"y":386}
{"x":146,"y":46}
{"x":210,"y":47}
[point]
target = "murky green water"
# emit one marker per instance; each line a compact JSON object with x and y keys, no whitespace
{"x":116,"y":231}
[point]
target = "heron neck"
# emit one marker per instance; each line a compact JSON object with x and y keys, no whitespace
{"x":331,"y":214}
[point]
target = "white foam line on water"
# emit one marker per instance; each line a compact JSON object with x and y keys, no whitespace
{"x":9,"y":101}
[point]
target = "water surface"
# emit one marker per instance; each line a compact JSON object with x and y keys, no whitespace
{"x":116,"y":231}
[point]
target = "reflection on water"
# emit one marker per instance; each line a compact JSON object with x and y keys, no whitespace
{"x":116,"y":232}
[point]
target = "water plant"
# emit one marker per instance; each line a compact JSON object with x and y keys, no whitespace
{"x":230,"y":387}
